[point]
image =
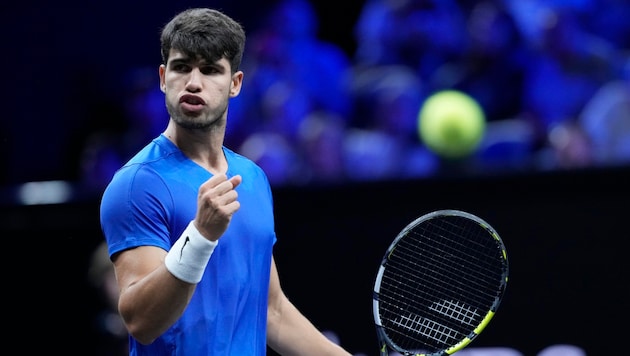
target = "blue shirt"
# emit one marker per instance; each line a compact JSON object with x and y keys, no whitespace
{"x":151,"y":200}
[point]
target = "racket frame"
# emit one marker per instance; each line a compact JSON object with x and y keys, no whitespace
{"x":384,"y":341}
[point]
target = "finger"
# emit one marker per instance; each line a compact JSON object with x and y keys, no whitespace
{"x":217,"y":185}
{"x":215,"y":180}
{"x":236,"y":180}
{"x":226,"y":186}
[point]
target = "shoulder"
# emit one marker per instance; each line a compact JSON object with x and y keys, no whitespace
{"x":148,"y":164}
{"x":141,"y":176}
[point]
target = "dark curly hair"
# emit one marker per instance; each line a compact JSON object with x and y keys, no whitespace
{"x":206,"y":33}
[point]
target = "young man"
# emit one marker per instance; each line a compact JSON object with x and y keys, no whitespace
{"x":189,"y":223}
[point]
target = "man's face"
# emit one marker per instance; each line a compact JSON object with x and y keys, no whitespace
{"x":197,"y":92}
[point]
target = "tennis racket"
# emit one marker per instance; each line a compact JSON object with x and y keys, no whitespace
{"x":439,"y":284}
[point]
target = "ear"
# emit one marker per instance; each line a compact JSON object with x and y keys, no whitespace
{"x":162,"y":73}
{"x":236,"y":84}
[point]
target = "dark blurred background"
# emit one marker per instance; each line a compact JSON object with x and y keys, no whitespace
{"x":329,"y":109}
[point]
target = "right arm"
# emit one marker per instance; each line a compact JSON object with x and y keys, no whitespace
{"x":151,"y":297}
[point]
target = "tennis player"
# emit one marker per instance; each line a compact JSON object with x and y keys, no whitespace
{"x":189,"y":223}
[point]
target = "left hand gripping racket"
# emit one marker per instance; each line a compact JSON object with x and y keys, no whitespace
{"x":439,"y":284}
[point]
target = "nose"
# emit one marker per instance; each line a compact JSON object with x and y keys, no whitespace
{"x":194,"y":80}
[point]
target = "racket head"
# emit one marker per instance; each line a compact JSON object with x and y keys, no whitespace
{"x":439,"y":284}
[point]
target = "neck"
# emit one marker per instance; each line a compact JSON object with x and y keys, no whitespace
{"x":204,"y":147}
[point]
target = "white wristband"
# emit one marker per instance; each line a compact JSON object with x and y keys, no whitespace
{"x":189,"y":256}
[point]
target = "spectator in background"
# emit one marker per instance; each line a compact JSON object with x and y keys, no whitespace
{"x":492,"y":71}
{"x":492,"y":68}
{"x":419,"y":34}
{"x":472,"y":47}
{"x":401,"y":48}
{"x":291,"y":74}
{"x":605,"y":120}
{"x":566,"y":70}
{"x":281,"y":160}
{"x":383,"y":141}
{"x":321,"y":140}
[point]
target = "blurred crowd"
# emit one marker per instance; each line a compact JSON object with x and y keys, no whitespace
{"x":553,"y":79}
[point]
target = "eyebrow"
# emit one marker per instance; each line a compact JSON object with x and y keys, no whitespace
{"x":185,"y":60}
{"x":200,"y":62}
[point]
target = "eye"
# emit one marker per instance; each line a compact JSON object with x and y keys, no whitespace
{"x":209,"y":70}
{"x":180,"y":67}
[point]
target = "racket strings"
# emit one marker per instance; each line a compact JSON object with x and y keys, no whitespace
{"x":466,"y":244}
{"x":437,"y":263}
{"x":440,"y":281}
{"x":479,"y":280}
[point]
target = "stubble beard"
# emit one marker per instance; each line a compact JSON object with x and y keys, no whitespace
{"x":204,"y":122}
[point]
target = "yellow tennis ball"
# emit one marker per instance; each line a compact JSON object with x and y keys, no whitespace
{"x":451,"y":124}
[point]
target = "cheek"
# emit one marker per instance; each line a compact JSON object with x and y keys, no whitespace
{"x":171,"y":86}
